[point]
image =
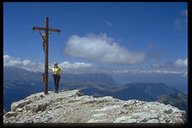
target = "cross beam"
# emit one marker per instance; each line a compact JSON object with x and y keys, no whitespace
{"x":47,"y":30}
{"x":50,"y":29}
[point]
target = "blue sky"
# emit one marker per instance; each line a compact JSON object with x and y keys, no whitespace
{"x":112,"y":37}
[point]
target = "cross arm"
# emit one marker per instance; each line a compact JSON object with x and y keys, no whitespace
{"x":50,"y":29}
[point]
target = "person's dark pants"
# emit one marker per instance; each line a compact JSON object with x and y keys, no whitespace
{"x":56,"y":82}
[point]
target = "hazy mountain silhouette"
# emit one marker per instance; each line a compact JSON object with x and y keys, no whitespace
{"x":19,"y":83}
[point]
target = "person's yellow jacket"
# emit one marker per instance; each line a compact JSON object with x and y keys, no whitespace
{"x":56,"y":70}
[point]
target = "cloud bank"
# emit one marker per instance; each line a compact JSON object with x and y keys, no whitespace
{"x":148,"y":72}
{"x":25,"y":64}
{"x":102,"y":49}
{"x":181,"y":62}
{"x":39,"y":67}
{"x":81,"y":67}
{"x":75,"y":65}
{"x":177,"y":67}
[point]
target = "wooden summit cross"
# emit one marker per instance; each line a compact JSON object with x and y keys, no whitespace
{"x":46,"y":29}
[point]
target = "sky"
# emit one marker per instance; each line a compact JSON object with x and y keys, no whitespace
{"x":126,"y":38}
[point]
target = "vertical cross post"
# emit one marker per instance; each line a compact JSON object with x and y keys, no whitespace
{"x":46,"y":53}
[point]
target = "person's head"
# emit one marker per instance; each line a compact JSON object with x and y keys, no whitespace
{"x":55,"y":64}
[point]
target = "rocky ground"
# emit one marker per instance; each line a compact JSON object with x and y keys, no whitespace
{"x":74,"y":107}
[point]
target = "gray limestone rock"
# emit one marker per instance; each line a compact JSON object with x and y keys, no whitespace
{"x":10,"y":114}
{"x":74,"y":107}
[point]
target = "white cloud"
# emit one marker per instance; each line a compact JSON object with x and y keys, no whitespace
{"x":9,"y":61}
{"x":108,"y":23}
{"x":137,"y":71}
{"x":161,"y":72}
{"x":81,"y":67}
{"x":6,"y":58}
{"x":35,"y":67}
{"x":76,"y":65}
{"x":156,"y":65}
{"x":25,"y":64}
{"x":185,"y":74}
{"x":178,"y":64}
{"x":181,"y":63}
{"x":177,"y":68}
{"x":103,"y":49}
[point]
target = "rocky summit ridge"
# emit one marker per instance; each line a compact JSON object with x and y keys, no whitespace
{"x":72,"y":106}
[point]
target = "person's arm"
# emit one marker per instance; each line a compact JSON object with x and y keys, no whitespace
{"x":61,"y":70}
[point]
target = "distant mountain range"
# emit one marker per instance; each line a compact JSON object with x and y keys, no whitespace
{"x":144,"y":91}
{"x":19,"y":83}
{"x":178,"y":99}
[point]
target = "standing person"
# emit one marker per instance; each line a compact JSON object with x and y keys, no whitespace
{"x":56,"y":76}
